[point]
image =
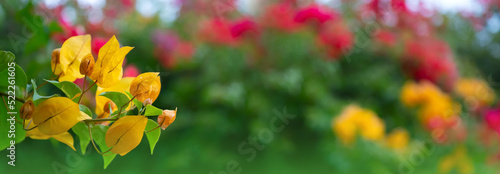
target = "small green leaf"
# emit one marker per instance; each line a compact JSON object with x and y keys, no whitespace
{"x":152,"y":111}
{"x":98,"y":133}
{"x":69,"y":88}
{"x":16,"y":72}
{"x":137,"y":103}
{"x":118,"y":98}
{"x":5,"y":58}
{"x":37,"y":98}
{"x":5,"y":124}
{"x":154,"y":135}
{"x":82,"y":131}
{"x":85,"y":109}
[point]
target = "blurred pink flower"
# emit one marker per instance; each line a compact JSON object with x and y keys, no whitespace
{"x":131,"y":71}
{"x":316,"y":14}
{"x":336,"y":38}
{"x":217,"y":31}
{"x":385,"y":37}
{"x":68,"y":31}
{"x":243,"y":27}
{"x":97,"y":43}
{"x":280,"y":16}
{"x":492,"y":118}
{"x":431,"y":59}
{"x":169,"y":48}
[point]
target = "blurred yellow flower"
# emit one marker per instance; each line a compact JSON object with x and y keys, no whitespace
{"x":398,"y":139}
{"x":353,"y":120}
{"x":146,"y":85}
{"x":475,"y":90}
{"x":432,"y":101}
{"x":458,"y":160}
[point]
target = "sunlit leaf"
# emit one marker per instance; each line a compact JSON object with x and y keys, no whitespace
{"x":137,"y":103}
{"x":99,"y":133}
{"x":57,"y":115}
{"x":118,"y":98}
{"x":5,"y":125}
{"x":122,"y":86}
{"x":82,"y":131}
{"x":86,"y":110}
{"x":69,"y":88}
{"x":152,"y":111}
{"x":37,"y":98}
{"x":125,"y":134}
{"x":5,"y":58}
{"x":154,"y":135}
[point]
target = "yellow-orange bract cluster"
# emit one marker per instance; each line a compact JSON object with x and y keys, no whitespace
{"x":53,"y":117}
{"x":476,"y":92}
{"x":431,"y":100}
{"x":354,"y":119}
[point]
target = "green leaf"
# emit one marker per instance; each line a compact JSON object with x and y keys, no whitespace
{"x":37,"y":98}
{"x":5,"y":58}
{"x":98,"y":133}
{"x":137,"y":103}
{"x":69,"y":88}
{"x":118,"y":98}
{"x":82,"y":131}
{"x":85,"y":109}
{"x":5,"y":124}
{"x":152,"y":111}
{"x":154,"y":135}
{"x":18,"y":75}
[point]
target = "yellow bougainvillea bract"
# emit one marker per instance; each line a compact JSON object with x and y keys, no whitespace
{"x":125,"y":134}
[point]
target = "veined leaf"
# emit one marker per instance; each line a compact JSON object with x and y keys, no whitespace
{"x":86,"y":110}
{"x":5,"y":58}
{"x":118,"y":98}
{"x":125,"y":134}
{"x":154,"y":135}
{"x":99,"y":133}
{"x":5,"y":125}
{"x":57,"y":115}
{"x":137,"y":103}
{"x":69,"y":88}
{"x":37,"y":98}
{"x":152,"y":111}
{"x":82,"y":131}
{"x":122,"y":86}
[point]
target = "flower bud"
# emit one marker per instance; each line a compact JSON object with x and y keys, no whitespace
{"x":147,"y":102}
{"x":167,"y":118}
{"x":108,"y":105}
{"x":55,"y":61}
{"x":87,"y":65}
{"x":27,"y":109}
{"x":146,"y":85}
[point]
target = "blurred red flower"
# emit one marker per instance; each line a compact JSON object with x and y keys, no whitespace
{"x":318,"y":15}
{"x":243,"y":27}
{"x":97,"y":43}
{"x":169,"y":48}
{"x":217,"y":31}
{"x":280,"y":16}
{"x":492,"y":118}
{"x":336,"y":38}
{"x":131,"y":71}
{"x":385,"y":37}
{"x":431,"y":59}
